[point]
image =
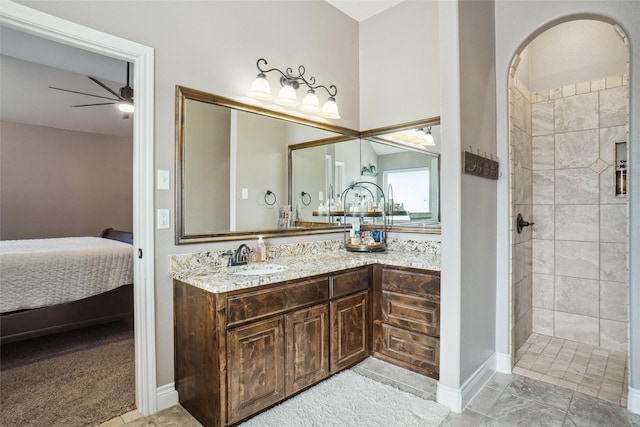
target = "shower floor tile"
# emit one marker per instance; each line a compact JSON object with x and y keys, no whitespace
{"x":585,"y":368}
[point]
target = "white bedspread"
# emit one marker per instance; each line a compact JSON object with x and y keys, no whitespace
{"x":41,"y":272}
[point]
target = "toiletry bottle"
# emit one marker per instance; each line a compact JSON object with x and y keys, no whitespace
{"x":621,"y":179}
{"x":260,"y":252}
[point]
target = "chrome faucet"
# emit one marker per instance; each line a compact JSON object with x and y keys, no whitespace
{"x":239,"y":256}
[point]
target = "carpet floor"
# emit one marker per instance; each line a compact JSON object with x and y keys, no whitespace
{"x":350,"y":399}
{"x":76,"y":378}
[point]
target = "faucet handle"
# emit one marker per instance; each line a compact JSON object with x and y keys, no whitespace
{"x":230,"y":255}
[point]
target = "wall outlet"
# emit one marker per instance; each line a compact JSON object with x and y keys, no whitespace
{"x":163,"y":218}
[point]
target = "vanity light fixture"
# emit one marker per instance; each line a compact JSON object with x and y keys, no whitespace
{"x":415,"y":136}
{"x":429,"y":141}
{"x":261,"y":89}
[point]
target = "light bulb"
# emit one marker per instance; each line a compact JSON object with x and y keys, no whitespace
{"x":430,"y":140}
{"x":287,"y":96}
{"x":260,"y":88}
{"x":330,"y":109}
{"x":310,"y":102}
{"x":125,"y":106}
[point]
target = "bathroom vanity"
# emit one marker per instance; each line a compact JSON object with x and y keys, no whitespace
{"x":247,"y":344}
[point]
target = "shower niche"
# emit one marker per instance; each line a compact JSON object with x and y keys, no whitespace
{"x":620,"y":175}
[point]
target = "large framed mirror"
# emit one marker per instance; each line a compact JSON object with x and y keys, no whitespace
{"x":231,"y":167}
{"x":234,"y":168}
{"x":403,"y":160}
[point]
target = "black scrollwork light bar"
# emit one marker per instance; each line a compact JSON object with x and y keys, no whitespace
{"x":290,"y":82}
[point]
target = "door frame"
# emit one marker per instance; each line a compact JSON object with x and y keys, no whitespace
{"x":49,"y":27}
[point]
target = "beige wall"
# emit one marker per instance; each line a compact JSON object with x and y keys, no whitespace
{"x":213,"y":46}
{"x":58,"y":183}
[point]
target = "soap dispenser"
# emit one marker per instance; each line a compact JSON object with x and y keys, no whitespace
{"x":260,"y":252}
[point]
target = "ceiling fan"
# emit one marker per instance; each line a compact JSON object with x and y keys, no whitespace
{"x":124,"y":99}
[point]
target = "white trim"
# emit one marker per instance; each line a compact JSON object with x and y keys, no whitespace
{"x":477,"y":380}
{"x":166,"y":396}
{"x":633,"y":400}
{"x":503,"y":363}
{"x":40,"y":24}
{"x":458,"y":398}
{"x":449,"y":397}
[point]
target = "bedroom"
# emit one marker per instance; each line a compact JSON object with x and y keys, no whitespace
{"x":66,"y":172}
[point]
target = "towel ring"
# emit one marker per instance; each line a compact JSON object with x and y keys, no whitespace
{"x":306,"y":198}
{"x":267,"y":194}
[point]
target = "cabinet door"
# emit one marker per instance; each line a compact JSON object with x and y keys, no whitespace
{"x":349,"y":331}
{"x":307,"y":333}
{"x":255,"y":358}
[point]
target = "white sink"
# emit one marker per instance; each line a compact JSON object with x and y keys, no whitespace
{"x":259,"y":269}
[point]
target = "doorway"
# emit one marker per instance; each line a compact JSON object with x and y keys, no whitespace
{"x":569,"y":120}
{"x":28,"y":20}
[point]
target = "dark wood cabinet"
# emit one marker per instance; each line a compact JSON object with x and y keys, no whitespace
{"x":407,"y":318}
{"x":240,"y":352}
{"x":307,"y":347}
{"x":349,"y":330}
{"x":255,"y":359}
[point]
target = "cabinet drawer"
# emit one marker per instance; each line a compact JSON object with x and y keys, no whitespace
{"x":349,"y":282}
{"x":410,"y":312}
{"x":419,"y":351}
{"x":405,"y":281}
{"x":257,"y":304}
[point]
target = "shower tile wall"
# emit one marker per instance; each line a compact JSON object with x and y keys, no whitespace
{"x":579,"y":240}
{"x":521,"y":202}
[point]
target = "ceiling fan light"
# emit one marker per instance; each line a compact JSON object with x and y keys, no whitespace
{"x":260,"y":88}
{"x":330,"y":109}
{"x":125,"y":106}
{"x":310,"y":102}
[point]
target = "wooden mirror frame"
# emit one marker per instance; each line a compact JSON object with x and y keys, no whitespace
{"x":345,"y":134}
{"x":184,"y":93}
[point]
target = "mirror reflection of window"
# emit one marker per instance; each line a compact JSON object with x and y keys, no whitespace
{"x":410,"y":190}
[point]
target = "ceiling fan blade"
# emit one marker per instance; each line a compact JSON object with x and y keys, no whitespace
{"x":83,"y":93}
{"x":91,"y":105}
{"x":105,"y":87}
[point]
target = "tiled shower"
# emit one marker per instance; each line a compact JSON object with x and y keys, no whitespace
{"x":569,"y":270}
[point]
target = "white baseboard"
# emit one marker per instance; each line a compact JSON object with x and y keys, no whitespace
{"x":449,"y":397}
{"x":503,"y":363}
{"x":166,"y":396}
{"x":633,"y":400}
{"x":458,"y":398}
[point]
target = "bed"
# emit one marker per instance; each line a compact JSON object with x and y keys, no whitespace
{"x":54,"y":285}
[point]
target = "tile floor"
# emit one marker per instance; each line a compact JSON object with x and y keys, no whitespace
{"x":506,"y":400}
{"x":587,"y":369}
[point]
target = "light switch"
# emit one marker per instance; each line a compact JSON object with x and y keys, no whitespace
{"x":164,"y":180}
{"x":163,"y":218}
{"x":245,"y":193}
{"x":320,"y":195}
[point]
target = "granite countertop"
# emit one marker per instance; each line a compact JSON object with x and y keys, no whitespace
{"x":218,"y":279}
